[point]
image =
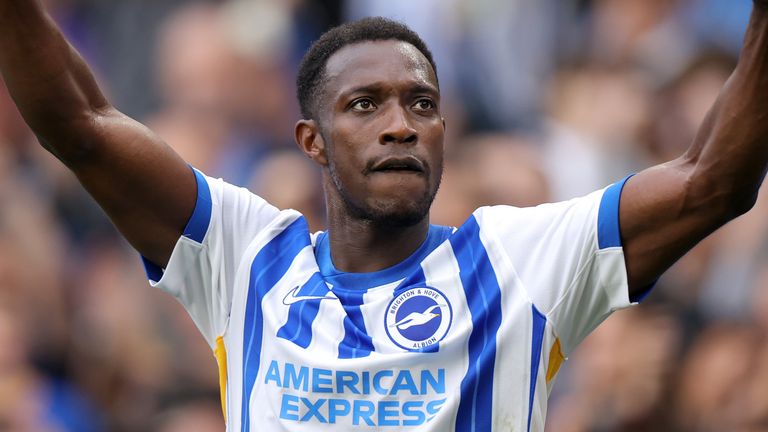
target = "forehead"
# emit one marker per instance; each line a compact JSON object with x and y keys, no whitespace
{"x":390,"y":62}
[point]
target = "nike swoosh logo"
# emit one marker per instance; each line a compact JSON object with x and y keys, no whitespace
{"x":292,"y":297}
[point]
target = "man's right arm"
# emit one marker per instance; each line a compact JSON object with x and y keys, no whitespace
{"x":147,"y":190}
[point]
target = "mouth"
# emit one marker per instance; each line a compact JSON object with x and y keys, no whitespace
{"x":406,"y":165}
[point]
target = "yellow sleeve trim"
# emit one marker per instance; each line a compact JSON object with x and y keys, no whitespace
{"x":556,"y":359}
{"x":221,"y":358}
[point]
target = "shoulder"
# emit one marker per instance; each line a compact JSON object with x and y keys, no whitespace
{"x":504,"y":217}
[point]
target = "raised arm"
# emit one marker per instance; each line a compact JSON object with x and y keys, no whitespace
{"x":144,"y":186}
{"x":667,"y":209}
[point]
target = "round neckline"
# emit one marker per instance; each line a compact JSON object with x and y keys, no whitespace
{"x":362,"y":282}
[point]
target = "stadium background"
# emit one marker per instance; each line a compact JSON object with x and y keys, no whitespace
{"x":544,"y":100}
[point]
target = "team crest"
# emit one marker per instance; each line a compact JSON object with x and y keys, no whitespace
{"x":418,"y":318}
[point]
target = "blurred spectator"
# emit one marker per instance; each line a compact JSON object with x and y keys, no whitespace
{"x":190,"y":412}
{"x":491,"y":169}
{"x":223,"y":74}
{"x":620,"y":378}
{"x":288,"y":180}
{"x":716,"y":379}
{"x":504,"y":55}
{"x":503,"y":169}
{"x":194,"y":65}
{"x":30,"y":401}
{"x":596,"y":116}
{"x":681,"y":103}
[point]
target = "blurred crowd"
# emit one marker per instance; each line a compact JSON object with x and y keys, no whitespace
{"x":544,"y":100}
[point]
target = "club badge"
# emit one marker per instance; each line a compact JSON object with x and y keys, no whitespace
{"x":418,"y":318}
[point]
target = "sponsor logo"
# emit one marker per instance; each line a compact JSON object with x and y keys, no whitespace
{"x":418,"y":318}
{"x":386,"y":397}
{"x":292,"y":297}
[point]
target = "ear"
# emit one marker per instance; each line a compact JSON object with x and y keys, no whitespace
{"x":310,"y":141}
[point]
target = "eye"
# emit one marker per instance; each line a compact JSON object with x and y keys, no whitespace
{"x":363,"y":105}
{"x":424,"y":104}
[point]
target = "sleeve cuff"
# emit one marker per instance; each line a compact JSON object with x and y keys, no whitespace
{"x":196,"y":228}
{"x":609,"y":231}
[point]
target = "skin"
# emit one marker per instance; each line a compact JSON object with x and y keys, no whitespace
{"x":667,"y":209}
{"x":381,"y":104}
{"x":145,"y":188}
{"x":374,"y":218}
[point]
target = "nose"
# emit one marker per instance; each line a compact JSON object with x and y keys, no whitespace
{"x":398,"y":128}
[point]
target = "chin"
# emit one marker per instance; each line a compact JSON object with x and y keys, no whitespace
{"x":388,"y":206}
{"x":400,"y":219}
{"x":394,"y":214}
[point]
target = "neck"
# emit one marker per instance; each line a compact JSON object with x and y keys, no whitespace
{"x":361,"y":246}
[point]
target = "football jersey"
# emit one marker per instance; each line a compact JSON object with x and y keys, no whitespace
{"x":466,"y":334}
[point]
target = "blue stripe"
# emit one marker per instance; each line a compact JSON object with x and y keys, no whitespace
{"x":269,"y":266}
{"x":356,"y":343}
{"x":198,"y":223}
{"x":416,"y":279}
{"x":298,"y":328}
{"x":608,"y":230}
{"x":539,"y":323}
{"x":483,"y":295}
{"x":154,"y":271}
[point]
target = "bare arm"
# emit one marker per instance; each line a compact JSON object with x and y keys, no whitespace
{"x":667,"y":209}
{"x":144,"y":186}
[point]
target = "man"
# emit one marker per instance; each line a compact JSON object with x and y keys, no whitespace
{"x":384,"y":321}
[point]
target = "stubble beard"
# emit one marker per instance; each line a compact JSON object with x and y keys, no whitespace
{"x":401,"y":214}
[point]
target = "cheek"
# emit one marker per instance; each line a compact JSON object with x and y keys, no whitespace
{"x":434,"y":144}
{"x":358,"y":133}
{"x":348,"y":151}
{"x":347,"y":168}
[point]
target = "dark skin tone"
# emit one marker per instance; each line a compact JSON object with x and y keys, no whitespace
{"x":143,"y":185}
{"x":381,"y":110}
{"x":377,"y":116}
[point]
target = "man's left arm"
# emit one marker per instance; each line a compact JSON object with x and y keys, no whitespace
{"x":667,"y":209}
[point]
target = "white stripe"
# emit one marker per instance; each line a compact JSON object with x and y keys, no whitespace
{"x":513,"y":342}
{"x":234,"y":334}
{"x":441,"y":271}
{"x":374,"y":308}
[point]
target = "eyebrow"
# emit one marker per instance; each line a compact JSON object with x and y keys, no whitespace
{"x":378,"y":87}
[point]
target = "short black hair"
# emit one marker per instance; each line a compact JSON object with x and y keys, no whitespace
{"x":312,"y":69}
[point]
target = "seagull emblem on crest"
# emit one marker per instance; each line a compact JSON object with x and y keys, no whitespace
{"x":417,"y":318}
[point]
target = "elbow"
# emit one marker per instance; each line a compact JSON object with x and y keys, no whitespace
{"x":741,"y":201}
{"x":740,"y":193}
{"x":726,"y":204}
{"x":721,"y":200}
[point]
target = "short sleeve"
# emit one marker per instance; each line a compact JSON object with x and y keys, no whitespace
{"x":201,"y":270}
{"x":569,"y":258}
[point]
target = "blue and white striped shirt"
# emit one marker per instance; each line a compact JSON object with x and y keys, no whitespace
{"x":466,"y":334}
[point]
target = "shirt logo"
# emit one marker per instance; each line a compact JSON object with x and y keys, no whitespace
{"x":292,"y":297}
{"x":418,"y":318}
